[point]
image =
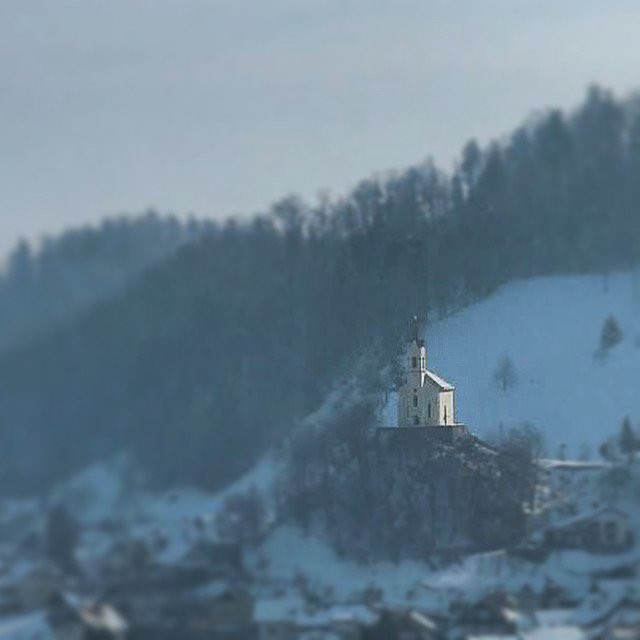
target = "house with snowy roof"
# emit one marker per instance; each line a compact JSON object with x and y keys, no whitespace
{"x":424,"y":398}
{"x":606,"y":529}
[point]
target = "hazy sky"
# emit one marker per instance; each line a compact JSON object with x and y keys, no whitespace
{"x":221,"y":106}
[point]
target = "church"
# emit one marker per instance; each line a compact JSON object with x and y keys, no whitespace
{"x":424,"y":399}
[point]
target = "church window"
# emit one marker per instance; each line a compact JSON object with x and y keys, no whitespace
{"x":415,"y":401}
{"x":416,"y":420}
{"x":429,"y":410}
{"x":414,"y":363}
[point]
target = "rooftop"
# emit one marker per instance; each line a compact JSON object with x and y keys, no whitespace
{"x":438,"y":381}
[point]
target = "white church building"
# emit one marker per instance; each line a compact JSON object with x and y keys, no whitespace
{"x":424,"y":398}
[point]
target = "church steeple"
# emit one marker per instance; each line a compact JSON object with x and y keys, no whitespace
{"x":416,"y":356}
{"x":416,"y":329}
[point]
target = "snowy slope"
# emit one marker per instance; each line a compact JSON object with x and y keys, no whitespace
{"x":29,"y":626}
{"x":550,"y":328}
{"x":175,"y":513}
{"x":103,"y":493}
{"x":290,"y":553}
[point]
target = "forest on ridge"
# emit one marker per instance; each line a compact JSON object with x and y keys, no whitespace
{"x":221,"y":337}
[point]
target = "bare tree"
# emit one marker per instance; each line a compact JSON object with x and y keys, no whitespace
{"x":505,"y":376}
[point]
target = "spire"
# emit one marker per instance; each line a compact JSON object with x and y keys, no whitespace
{"x":416,"y":331}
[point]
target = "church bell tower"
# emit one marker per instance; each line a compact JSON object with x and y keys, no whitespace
{"x":416,"y":357}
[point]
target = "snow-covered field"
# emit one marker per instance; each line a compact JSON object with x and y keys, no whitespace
{"x":290,"y":554}
{"x":550,"y":329}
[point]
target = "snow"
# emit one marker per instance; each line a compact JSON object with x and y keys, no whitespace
{"x":556,"y":633}
{"x":553,"y":617}
{"x":422,"y":621}
{"x":293,"y":608}
{"x":482,"y":573}
{"x":274,"y":610}
{"x":290,"y":554}
{"x":180,"y":517}
{"x":550,"y":328}
{"x":573,"y":465}
{"x":95,"y":493}
{"x":443,"y":384}
{"x":104,"y":618}
{"x":492,"y":636}
{"x":287,"y":554}
{"x":31,"y":626}
{"x":175,"y":513}
{"x":600,"y":512}
{"x":628,"y":616}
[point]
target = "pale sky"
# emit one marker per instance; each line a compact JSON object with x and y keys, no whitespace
{"x":221,"y":106}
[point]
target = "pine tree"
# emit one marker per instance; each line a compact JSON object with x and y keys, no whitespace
{"x":610,"y":335}
{"x":627,"y":440}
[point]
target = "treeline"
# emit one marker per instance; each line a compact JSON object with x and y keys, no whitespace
{"x":47,"y":284}
{"x":219,"y":350}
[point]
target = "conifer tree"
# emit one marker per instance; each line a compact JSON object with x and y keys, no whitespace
{"x":610,"y":335}
{"x":628,"y":440}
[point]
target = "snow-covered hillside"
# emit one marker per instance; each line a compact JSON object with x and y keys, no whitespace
{"x":550,"y":329}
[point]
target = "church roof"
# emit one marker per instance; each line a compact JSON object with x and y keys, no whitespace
{"x":438,"y":381}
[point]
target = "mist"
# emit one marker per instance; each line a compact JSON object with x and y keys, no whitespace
{"x":219,"y":108}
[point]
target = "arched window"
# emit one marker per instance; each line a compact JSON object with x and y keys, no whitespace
{"x":429,"y":410}
{"x":415,"y":401}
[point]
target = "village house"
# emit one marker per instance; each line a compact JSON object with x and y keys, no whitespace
{"x":497,"y":614}
{"x":606,"y":530}
{"x":609,"y":604}
{"x":624,"y":624}
{"x":408,"y":624}
{"x":86,"y":621}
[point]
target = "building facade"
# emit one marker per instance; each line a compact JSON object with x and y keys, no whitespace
{"x":424,"y":398}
